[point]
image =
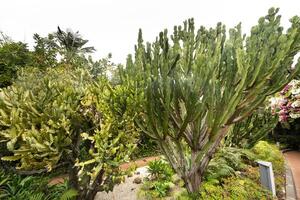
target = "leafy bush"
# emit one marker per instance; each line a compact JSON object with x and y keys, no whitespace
{"x":244,"y":188}
{"x":270,"y":152}
{"x":237,"y":188}
{"x":160,"y":180}
{"x":227,"y":161}
{"x":13,"y":56}
{"x":155,"y":189}
{"x":39,"y":113}
{"x":16,"y":187}
{"x":160,"y":170}
{"x":61,"y":117}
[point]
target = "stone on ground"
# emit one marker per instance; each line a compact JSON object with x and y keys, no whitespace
{"x":127,"y":190}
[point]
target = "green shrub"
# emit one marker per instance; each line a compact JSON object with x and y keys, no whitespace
{"x":227,"y":161}
{"x":16,"y":187}
{"x":13,"y":56}
{"x":62,"y":117}
{"x":233,"y":188}
{"x":155,"y":189}
{"x":211,"y":191}
{"x":271,"y":153}
{"x":159,"y":182}
{"x":244,"y":188}
{"x":160,"y":170}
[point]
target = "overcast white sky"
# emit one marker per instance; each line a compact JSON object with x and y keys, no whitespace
{"x":112,"y":25}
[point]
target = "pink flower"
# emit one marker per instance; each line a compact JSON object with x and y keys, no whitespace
{"x":283,"y":118}
{"x":285,"y":89}
{"x":282,"y":112}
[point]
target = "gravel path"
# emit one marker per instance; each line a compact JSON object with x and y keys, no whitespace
{"x":127,"y":190}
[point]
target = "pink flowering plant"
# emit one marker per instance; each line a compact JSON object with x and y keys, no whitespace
{"x":287,"y":102}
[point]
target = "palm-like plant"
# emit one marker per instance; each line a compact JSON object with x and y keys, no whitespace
{"x":72,"y":44}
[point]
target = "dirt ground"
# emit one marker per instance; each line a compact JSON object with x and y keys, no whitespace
{"x":125,"y":191}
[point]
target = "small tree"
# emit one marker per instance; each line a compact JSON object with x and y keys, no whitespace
{"x":13,"y":56}
{"x":201,"y":83}
{"x":72,"y":45}
{"x":45,"y":51}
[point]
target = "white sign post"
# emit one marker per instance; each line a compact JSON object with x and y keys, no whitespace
{"x":267,"y":176}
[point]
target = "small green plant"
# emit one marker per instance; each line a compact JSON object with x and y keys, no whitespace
{"x":160,"y":180}
{"x":232,"y":188}
{"x":160,"y":170}
{"x":269,"y":152}
{"x":161,"y":188}
{"x":244,"y":188}
{"x":155,"y":189}
{"x":16,"y":187}
{"x":227,"y":161}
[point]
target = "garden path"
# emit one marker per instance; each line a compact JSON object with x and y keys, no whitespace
{"x":128,"y":190}
{"x":293,"y":159}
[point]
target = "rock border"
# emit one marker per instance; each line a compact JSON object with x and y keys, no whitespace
{"x":290,"y":189}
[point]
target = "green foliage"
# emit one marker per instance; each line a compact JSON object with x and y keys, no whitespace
{"x":160,"y":170}
{"x":232,"y":188}
{"x":69,"y":195}
{"x":72,"y":45}
{"x":244,"y":188}
{"x":269,"y":152}
{"x":39,"y":113}
{"x":247,"y":133}
{"x":155,"y":189}
{"x":227,"y":162}
{"x":16,"y":187}
{"x":146,"y":147}
{"x":62,"y":117}
{"x":199,"y":82}
{"x":45,"y":51}
{"x":160,"y":180}
{"x":13,"y":56}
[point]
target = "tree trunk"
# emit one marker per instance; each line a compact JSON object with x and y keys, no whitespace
{"x":193,"y":182}
{"x":193,"y":179}
{"x":95,"y":186}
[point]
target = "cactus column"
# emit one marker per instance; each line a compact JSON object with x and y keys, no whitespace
{"x":201,"y":82}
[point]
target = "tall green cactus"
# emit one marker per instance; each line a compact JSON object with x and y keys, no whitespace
{"x":201,"y":82}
